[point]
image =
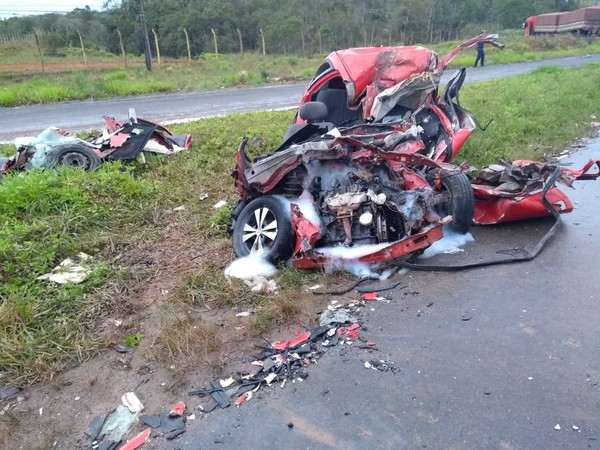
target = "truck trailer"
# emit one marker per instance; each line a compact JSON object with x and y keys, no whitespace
{"x":585,"y":21}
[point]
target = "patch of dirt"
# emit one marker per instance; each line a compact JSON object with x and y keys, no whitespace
{"x":55,"y":414}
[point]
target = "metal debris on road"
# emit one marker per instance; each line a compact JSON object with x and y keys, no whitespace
{"x":381,"y":365}
{"x":287,"y":360}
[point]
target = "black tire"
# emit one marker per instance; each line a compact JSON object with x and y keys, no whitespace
{"x":264,"y":223}
{"x":74,"y":155}
{"x":459,"y":198}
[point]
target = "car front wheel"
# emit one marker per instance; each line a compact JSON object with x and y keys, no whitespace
{"x":459,"y":200}
{"x":264,"y":226}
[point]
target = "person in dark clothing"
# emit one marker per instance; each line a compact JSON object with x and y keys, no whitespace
{"x":480,"y":53}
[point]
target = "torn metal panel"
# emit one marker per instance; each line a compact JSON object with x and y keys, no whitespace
{"x":510,"y":192}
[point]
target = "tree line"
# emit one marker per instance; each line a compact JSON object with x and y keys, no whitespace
{"x":279,"y":27}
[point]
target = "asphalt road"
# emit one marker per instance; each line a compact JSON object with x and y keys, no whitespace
{"x":525,"y":361}
{"x":87,"y":115}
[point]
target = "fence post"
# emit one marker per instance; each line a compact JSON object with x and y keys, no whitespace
{"x":122,"y":49}
{"x":156,"y":45}
{"x":215,"y":41}
{"x":37,"y":44}
{"x":187,"y":43}
{"x":320,"y":41}
{"x":241,"y":41}
{"x":82,"y":49}
{"x":262,"y":37}
{"x":302,"y":36}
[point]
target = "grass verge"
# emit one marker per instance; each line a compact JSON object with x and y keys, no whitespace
{"x":116,"y":210}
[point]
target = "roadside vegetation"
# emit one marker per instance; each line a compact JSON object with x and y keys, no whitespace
{"x":120,"y":214}
{"x":22,"y":83}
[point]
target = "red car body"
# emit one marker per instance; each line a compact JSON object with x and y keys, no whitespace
{"x":368,"y":112}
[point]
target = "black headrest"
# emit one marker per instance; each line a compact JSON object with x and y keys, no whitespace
{"x":313,"y":112}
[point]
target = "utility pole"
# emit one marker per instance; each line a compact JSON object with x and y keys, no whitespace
{"x":147,"y":51}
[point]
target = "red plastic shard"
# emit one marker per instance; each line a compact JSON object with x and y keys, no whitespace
{"x":281,"y":345}
{"x":369,"y":296}
{"x":350,"y":332}
{"x":242,"y":398}
{"x":177,"y":409}
{"x":137,"y":441}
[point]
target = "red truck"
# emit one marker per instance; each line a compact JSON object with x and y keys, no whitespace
{"x":584,"y":21}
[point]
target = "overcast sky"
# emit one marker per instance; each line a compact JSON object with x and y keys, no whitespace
{"x":11,"y":8}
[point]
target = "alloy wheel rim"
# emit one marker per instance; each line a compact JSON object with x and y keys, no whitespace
{"x":260,"y":230}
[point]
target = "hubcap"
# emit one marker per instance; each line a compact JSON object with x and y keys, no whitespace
{"x":75,"y":159}
{"x":260,"y":231}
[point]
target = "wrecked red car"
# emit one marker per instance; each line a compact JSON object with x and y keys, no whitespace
{"x":366,"y":157}
{"x":119,"y":140}
{"x":368,"y":164}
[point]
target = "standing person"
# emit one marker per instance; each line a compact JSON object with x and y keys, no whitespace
{"x":480,"y":53}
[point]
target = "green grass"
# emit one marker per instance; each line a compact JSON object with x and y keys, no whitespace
{"x":47,"y":216}
{"x":533,"y":114}
{"x":106,"y":76}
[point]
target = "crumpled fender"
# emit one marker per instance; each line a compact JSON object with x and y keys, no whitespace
{"x":495,"y":206}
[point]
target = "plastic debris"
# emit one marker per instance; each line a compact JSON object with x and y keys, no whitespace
{"x":269,"y":378}
{"x":282,"y":345}
{"x":173,"y":434}
{"x":243,"y":314}
{"x":381,"y":365}
{"x":177,"y":409}
{"x":137,"y":441}
{"x":557,"y":427}
{"x":93,"y":429}
{"x":121,"y":348}
{"x":117,"y":424}
{"x":351,"y":333}
{"x":575,"y":428}
{"x":69,"y":271}
{"x":243,"y":398}
{"x":336,"y":316}
{"x":169,"y":424}
{"x":151,"y":421}
{"x":179,"y":208}
{"x":219,"y":204}
{"x":227,"y":382}
{"x":287,"y":359}
{"x":372,"y":296}
{"x":133,"y":403}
